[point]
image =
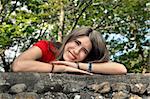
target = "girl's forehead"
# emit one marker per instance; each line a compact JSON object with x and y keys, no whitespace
{"x":84,"y":38}
{"x":85,"y":41}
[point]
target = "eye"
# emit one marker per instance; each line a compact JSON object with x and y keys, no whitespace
{"x":77,"y":42}
{"x":85,"y":51}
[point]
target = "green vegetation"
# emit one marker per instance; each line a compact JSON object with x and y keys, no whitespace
{"x":23,"y":22}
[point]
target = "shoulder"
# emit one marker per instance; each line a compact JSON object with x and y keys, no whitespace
{"x":43,"y":45}
{"x":41,"y":42}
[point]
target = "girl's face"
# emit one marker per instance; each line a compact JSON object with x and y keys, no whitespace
{"x":78,"y":49}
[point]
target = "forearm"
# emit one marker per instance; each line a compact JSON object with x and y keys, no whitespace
{"x":105,"y":68}
{"x":35,"y":66}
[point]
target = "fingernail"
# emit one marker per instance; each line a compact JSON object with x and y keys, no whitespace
{"x":91,"y":74}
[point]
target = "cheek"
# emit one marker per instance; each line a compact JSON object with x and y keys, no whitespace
{"x":65,"y":51}
{"x":69,"y":45}
{"x":65,"y":48}
{"x":82,"y":56}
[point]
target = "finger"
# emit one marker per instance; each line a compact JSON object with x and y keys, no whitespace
{"x":60,"y":62}
{"x":78,"y":70}
{"x":85,"y":72}
{"x":67,"y":63}
{"x":57,"y":62}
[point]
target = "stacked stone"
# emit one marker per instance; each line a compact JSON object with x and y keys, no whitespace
{"x":63,"y":88}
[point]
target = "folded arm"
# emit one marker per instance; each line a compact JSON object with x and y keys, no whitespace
{"x":27,"y":62}
{"x":103,"y":68}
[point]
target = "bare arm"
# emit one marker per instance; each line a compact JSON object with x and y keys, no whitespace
{"x":26,"y":62}
{"x":104,"y":68}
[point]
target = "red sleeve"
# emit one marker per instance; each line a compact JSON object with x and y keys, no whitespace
{"x":47,"y":54}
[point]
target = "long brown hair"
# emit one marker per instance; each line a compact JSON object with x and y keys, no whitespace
{"x":98,"y":53}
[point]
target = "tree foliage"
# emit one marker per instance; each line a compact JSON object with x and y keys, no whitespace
{"x":23,"y":22}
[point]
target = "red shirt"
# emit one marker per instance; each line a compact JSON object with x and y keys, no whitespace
{"x":47,"y":49}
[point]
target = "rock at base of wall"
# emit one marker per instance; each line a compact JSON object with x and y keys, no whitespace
{"x":73,"y":86}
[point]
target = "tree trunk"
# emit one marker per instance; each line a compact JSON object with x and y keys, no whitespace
{"x":61,"y":19}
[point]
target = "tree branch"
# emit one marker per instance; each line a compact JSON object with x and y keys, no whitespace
{"x":83,"y":10}
{"x":106,"y":15}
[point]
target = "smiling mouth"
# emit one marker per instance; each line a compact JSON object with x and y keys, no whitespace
{"x":72,"y":55}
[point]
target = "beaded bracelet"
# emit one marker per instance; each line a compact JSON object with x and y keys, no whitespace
{"x":52,"y":67}
{"x":90,"y":67}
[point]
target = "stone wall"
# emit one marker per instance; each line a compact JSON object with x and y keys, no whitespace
{"x":73,"y":86}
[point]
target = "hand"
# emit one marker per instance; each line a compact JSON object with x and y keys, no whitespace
{"x":67,"y":63}
{"x":71,"y":69}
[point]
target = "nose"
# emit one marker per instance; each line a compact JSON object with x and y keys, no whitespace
{"x":77,"y":49}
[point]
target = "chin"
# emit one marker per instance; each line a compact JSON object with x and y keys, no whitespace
{"x":67,"y":59}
